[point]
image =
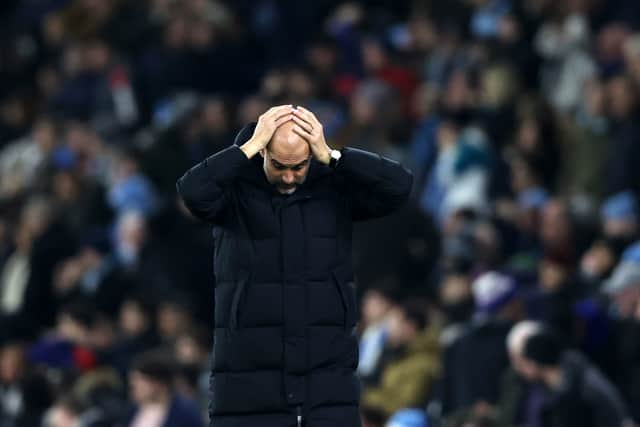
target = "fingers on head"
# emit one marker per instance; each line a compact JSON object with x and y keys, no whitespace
{"x":302,"y":123}
{"x":300,"y":131}
{"x":283,"y":119}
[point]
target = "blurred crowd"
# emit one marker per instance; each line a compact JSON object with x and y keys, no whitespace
{"x":506,"y":293}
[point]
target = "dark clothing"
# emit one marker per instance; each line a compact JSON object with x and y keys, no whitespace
{"x":626,"y":363}
{"x":182,"y":413}
{"x":104,"y":289}
{"x":285,"y":307}
{"x":38,"y":308}
{"x":473,"y":365}
{"x":623,"y":155}
{"x":404,"y":245}
{"x":586,"y":398}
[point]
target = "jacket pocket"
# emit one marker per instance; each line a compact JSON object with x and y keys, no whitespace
{"x":347,"y":291}
{"x":236,"y":302}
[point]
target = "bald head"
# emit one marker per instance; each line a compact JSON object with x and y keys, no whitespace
{"x":287,"y":146}
{"x":286,"y":159}
{"x":519,"y":335}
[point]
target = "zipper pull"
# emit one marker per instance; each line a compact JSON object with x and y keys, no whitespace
{"x":299,"y":416}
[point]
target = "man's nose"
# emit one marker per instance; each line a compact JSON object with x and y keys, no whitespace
{"x":288,"y":177}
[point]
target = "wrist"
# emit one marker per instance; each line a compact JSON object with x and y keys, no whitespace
{"x":250,"y":148}
{"x":325,"y":156}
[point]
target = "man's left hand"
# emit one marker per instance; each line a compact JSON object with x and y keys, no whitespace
{"x":309,"y":128}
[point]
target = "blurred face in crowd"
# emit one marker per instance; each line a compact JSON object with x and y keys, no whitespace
{"x":73,"y":60}
{"x":597,"y":261}
{"x":201,"y":34}
{"x":375,"y":307}
{"x":528,"y":135}
{"x":66,"y":187}
{"x":189,"y":351}
{"x":362,"y":111}
{"x":455,"y":288}
{"x":102,"y":335}
{"x":594,"y":98}
{"x":458,"y":94}
{"x":145,"y":389}
{"x":497,"y":86}
{"x":273,"y":83}
{"x":214,"y":116}
{"x":555,"y":227}
{"x":628,"y":301}
{"x":61,"y":416}
{"x":78,"y":136}
{"x":133,"y":320}
{"x":97,"y":56}
{"x":299,"y":85}
{"x":621,"y":97}
{"x":552,"y":275}
{"x":322,"y":57}
{"x":620,"y":227}
{"x":286,"y":159}
{"x":424,"y":35}
{"x":44,"y":134}
{"x":610,"y":40}
{"x":425,"y":100}
{"x":36,"y":215}
{"x":522,"y":177}
{"x":401,"y":330}
{"x":132,"y":231}
{"x":12,"y":111}
{"x":374,"y":56}
{"x":173,"y":320}
{"x":175,"y":35}
{"x":71,"y":329}
{"x":250,"y":109}
{"x":448,"y":134}
{"x":509,"y":29}
{"x":53,"y":29}
{"x":12,"y":359}
{"x":48,"y":80}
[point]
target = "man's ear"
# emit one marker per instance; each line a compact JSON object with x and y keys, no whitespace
{"x":262,"y":152}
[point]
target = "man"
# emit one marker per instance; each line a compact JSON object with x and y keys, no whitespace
{"x":282,"y":203}
{"x":576,"y":393}
{"x":623,"y":289}
{"x":151,"y":384}
{"x":514,"y":393}
{"x":466,"y":382}
{"x":411,"y":361}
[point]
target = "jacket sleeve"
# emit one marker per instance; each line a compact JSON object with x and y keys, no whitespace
{"x":205,"y":187}
{"x":607,"y":404}
{"x":403,"y":386}
{"x":376,"y":185}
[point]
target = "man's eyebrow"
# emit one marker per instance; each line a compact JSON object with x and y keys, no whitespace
{"x":302,"y":163}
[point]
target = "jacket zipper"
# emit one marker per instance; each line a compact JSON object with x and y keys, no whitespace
{"x":299,"y":416}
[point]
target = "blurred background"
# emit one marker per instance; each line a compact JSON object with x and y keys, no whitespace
{"x":518,"y":118}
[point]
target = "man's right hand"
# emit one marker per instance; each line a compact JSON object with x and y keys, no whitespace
{"x":267,"y":125}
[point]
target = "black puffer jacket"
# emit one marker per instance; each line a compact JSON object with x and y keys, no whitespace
{"x":586,"y":398}
{"x":285,"y":305}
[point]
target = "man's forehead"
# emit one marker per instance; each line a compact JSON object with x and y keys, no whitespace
{"x":289,"y":160}
{"x":288,"y":152}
